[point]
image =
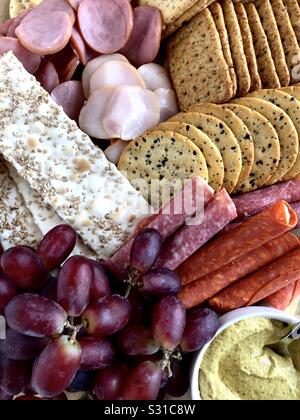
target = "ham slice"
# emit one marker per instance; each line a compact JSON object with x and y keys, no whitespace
{"x":70,"y":96}
{"x":168,"y":103}
{"x":30,"y":60}
{"x":83,"y":51}
{"x":114,"y":151}
{"x":47,"y":75}
{"x":155,"y":76}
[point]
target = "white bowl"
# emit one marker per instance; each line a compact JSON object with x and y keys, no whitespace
{"x":227,"y":321}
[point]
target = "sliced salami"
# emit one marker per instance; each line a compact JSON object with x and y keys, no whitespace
{"x":65,"y":62}
{"x":296,"y":208}
{"x":47,"y":75}
{"x":84,"y":52}
{"x":70,"y":96}
{"x":30,"y":60}
{"x":283,"y":298}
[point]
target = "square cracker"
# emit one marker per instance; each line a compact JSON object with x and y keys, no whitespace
{"x":293,"y":8}
{"x":269,"y":24}
{"x":237,"y":48}
{"x":197,"y":64}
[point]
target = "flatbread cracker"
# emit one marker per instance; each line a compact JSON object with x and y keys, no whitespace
{"x":225,"y":141}
{"x":240,"y":131}
{"x":286,"y":132}
{"x":248,"y":46}
{"x":18,"y":6}
{"x":289,"y":105}
{"x":197,"y":64}
{"x":266,"y":147}
{"x":293,"y":8}
{"x":163,"y":156}
{"x":269,"y":24}
{"x":237,"y":48}
{"x":4,"y":10}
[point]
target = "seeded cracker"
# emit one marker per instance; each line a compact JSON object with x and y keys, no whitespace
{"x":286,"y":132}
{"x":61,"y":163}
{"x":162,"y":156}
{"x":197,"y":64}
{"x":293,"y":8}
{"x":266,"y":147}
{"x":17,"y":6}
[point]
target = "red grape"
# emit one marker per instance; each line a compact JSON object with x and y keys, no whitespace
{"x":178,"y":384}
{"x":83,"y":381}
{"x":107,"y":316}
{"x":136,"y":340}
{"x":35,"y":316}
{"x":24,"y":268}
{"x":17,"y":346}
{"x":160,"y":283}
{"x":14,"y":375}
{"x":100,"y":285}
{"x":4,"y":396}
{"x":145,"y":250}
{"x":56,"y":367}
{"x":138,"y":305}
{"x":97,"y":353}
{"x":7,"y":291}
{"x":74,"y":283}
{"x":49,"y":291}
{"x":168,"y":322}
{"x":56,"y":246}
{"x":143,"y":383}
{"x":109,"y":382}
{"x":201,"y":326}
{"x":30,"y":398}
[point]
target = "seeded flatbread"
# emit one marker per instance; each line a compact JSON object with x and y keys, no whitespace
{"x":17,"y":6}
{"x":289,"y":41}
{"x":291,"y":106}
{"x":240,"y":131}
{"x":293,"y":8}
{"x":218,"y":17}
{"x":266,"y":147}
{"x":269,"y":24}
{"x":225,"y":141}
{"x":286,"y":132}
{"x":248,"y":46}
{"x":163,"y":156}
{"x":197,"y":64}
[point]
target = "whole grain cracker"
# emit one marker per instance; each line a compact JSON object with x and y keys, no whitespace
{"x":197,"y":64}
{"x":269,"y":24}
{"x":266,"y":147}
{"x":265,"y":62}
{"x":248,"y":46}
{"x":237,"y":48}
{"x":285,"y":129}
{"x":240,"y":131}
{"x":223,"y":138}
{"x":291,"y":106}
{"x":163,"y":156}
{"x":293,"y":9}
{"x":18,"y":6}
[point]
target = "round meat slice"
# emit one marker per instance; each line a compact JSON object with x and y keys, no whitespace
{"x":155,"y":77}
{"x":114,"y":151}
{"x":131,"y":111}
{"x":45,"y":35}
{"x":93,"y":65}
{"x":74,"y":4}
{"x":168,"y":103}
{"x":66,"y":62}
{"x":47,"y":75}
{"x":30,"y":61}
{"x":116,"y":73}
{"x":84,"y":52}
{"x":4,"y":27}
{"x":70,"y":96}
{"x":144,"y":42}
{"x":49,"y":6}
{"x":105,"y":25}
{"x":91,"y":115}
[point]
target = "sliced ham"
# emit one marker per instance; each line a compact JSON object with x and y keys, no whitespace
{"x":70,"y":96}
{"x":49,"y":6}
{"x":168,"y":103}
{"x":155,"y":76}
{"x":30,"y":60}
{"x":16,"y":22}
{"x":114,"y":151}
{"x":130,"y":112}
{"x":65,"y":62}
{"x":74,"y":4}
{"x":84,"y":52}
{"x":47,"y":75}
{"x":4,"y":27}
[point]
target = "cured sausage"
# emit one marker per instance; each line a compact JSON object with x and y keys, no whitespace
{"x":65,"y":62}
{"x":30,"y":60}
{"x":208,"y":286}
{"x":83,"y":51}
{"x":248,"y":236}
{"x":70,"y":96}
{"x":168,"y":103}
{"x":105,"y":24}
{"x":284,"y":297}
{"x":259,"y":285}
{"x":47,"y":76}
{"x":144,"y":42}
{"x":155,"y":77}
{"x":218,"y":213}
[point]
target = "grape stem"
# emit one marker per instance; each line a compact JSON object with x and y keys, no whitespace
{"x":132,"y":281}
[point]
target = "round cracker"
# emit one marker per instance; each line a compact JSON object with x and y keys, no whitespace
{"x":162,"y":156}
{"x":223,"y":138}
{"x":266,"y":147}
{"x":240,"y":131}
{"x":291,"y":106}
{"x":285,"y":129}
{"x":18,"y":6}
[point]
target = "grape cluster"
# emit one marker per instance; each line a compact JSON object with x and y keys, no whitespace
{"x":69,"y":328}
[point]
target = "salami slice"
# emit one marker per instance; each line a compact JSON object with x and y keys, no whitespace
{"x":70,"y":96}
{"x":65,"y":62}
{"x":47,"y":75}
{"x":296,"y":208}
{"x":105,"y":24}
{"x":248,"y":236}
{"x":208,"y":286}
{"x":30,"y":60}
{"x":283,"y":298}
{"x":84,"y":52}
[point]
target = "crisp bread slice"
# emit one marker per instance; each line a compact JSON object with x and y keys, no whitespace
{"x":225,"y":141}
{"x":289,"y":41}
{"x":293,"y":9}
{"x":17,"y":226}
{"x":265,"y":62}
{"x":197,"y":64}
{"x":266,"y":147}
{"x":237,"y":48}
{"x":269,"y":24}
{"x":62,"y":164}
{"x":218,"y":17}
{"x":18,"y":6}
{"x":286,"y":132}
{"x":240,"y":131}
{"x":158,"y":163}
{"x":248,"y":46}
{"x":291,"y":106}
